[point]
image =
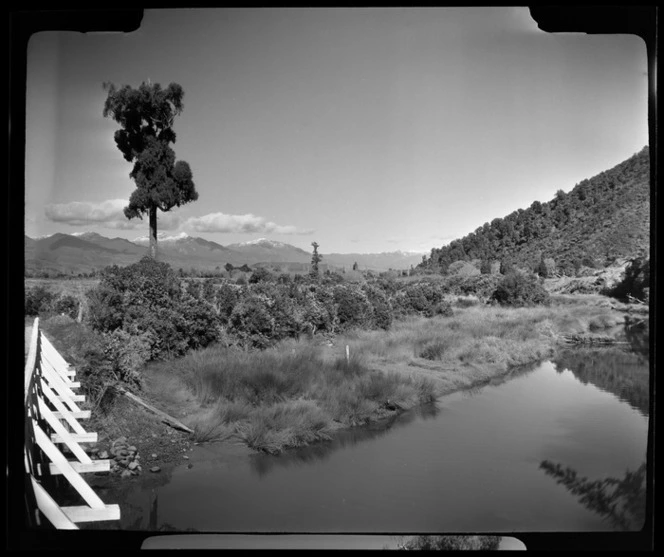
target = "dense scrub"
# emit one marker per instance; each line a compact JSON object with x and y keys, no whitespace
{"x":146,"y":312}
{"x":295,"y":390}
{"x":41,"y":301}
{"x":519,"y":289}
{"x":599,"y":220}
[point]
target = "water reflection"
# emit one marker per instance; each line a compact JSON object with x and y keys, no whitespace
{"x":610,"y":369}
{"x":138,"y":498}
{"x":621,"y":501}
{"x":637,"y":333}
{"x":494,"y":381}
{"x":262,"y":464}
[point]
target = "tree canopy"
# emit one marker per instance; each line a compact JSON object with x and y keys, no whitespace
{"x":146,"y":117}
{"x":604,"y":218}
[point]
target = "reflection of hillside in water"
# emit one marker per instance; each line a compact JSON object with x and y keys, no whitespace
{"x":494,"y":381}
{"x":625,"y":373}
{"x":621,"y":501}
{"x":262,"y":464}
{"x":637,"y":333}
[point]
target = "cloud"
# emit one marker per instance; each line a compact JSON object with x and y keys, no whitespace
{"x":108,"y":214}
{"x":249,"y":224}
{"x":79,"y":213}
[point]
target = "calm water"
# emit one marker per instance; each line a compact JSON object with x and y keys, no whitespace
{"x":470,"y":462}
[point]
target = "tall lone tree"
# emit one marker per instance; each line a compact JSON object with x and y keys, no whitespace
{"x":315,"y":260}
{"x":146,"y":118}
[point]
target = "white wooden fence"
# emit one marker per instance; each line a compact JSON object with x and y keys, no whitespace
{"x":51,"y":420}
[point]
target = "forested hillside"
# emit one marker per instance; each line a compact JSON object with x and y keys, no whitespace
{"x":601,"y":219}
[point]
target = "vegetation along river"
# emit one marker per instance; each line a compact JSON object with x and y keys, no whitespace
{"x":551,"y":447}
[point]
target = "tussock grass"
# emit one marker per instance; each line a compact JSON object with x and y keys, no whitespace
{"x":292,"y":424}
{"x":299,"y":392}
{"x":209,"y":426}
{"x":229,"y":412}
{"x":481,"y":335}
{"x":287,"y":396}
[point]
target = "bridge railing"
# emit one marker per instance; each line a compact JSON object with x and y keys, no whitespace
{"x":51,"y":422}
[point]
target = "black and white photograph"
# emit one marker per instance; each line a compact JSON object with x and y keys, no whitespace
{"x":338,"y":278}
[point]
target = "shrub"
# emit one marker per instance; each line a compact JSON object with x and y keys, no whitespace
{"x":192,"y":287}
{"x":147,"y":282}
{"x":441,"y":308}
{"x":38,"y":300}
{"x":519,"y":289}
{"x":105,"y":312}
{"x":421,"y":297}
{"x":145,"y":300}
{"x":201,"y":323}
{"x":67,"y":305}
{"x":547,"y":267}
{"x":318,"y":311}
{"x":635,"y":283}
{"x":125,"y":355}
{"x":207,"y":290}
{"x":227,"y":297}
{"x":251,"y":321}
{"x":382,"y":310}
{"x":353,"y":306}
{"x":261,"y":275}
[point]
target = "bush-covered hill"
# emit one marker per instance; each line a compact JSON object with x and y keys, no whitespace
{"x":600,"y":220}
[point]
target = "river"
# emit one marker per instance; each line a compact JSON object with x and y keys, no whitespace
{"x":492,"y":459}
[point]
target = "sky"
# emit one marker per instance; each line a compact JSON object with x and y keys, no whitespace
{"x":363,"y":129}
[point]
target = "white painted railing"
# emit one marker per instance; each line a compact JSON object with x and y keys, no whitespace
{"x":51,"y":419}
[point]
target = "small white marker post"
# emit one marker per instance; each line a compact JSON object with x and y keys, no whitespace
{"x":347,"y":355}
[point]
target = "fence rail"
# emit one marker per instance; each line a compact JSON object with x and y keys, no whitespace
{"x":52,"y":430}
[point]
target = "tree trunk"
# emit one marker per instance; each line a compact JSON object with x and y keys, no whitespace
{"x":153,"y":233}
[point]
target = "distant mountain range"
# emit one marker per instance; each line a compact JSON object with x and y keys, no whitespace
{"x":89,"y":251}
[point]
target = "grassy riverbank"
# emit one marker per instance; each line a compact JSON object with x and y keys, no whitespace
{"x":299,"y":392}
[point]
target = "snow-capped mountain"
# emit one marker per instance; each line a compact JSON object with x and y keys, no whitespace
{"x":87,"y":251}
{"x":262,"y":242}
{"x":161,"y":237}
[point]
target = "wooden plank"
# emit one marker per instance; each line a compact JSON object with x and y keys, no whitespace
{"x":52,"y":351}
{"x":63,"y":436}
{"x":86,"y":514}
{"x":81,"y":415}
{"x":165,"y":417}
{"x":75,"y":398}
{"x":56,"y":381}
{"x":57,"y":458}
{"x":88,"y":437}
{"x":66,"y":378}
{"x":31,"y":359}
{"x":81,"y":468}
{"x":50,"y":509}
{"x":63,"y":412}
